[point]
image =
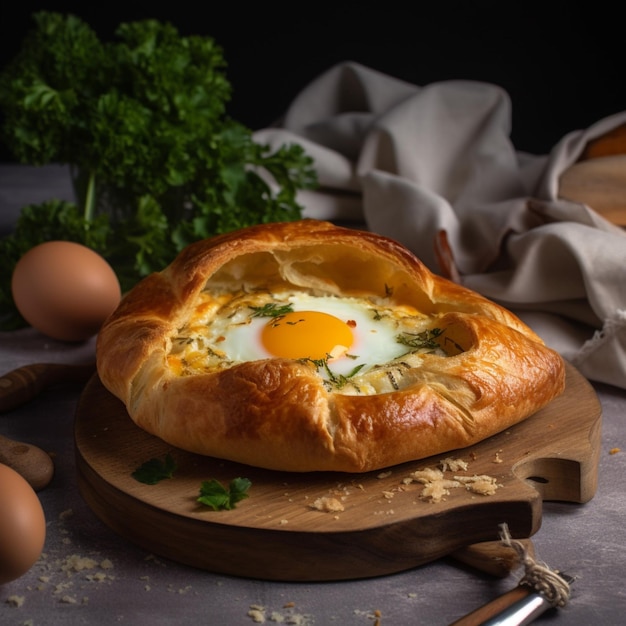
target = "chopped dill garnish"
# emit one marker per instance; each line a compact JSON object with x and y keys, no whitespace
{"x":337,"y":381}
{"x":427,"y":339}
{"x":271,"y":309}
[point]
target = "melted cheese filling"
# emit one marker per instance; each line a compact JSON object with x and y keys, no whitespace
{"x":357,"y":345}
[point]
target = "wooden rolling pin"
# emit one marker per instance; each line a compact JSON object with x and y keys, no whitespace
{"x":18,"y":387}
{"x":24,"y":383}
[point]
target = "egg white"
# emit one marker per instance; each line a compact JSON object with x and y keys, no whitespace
{"x":239,"y":336}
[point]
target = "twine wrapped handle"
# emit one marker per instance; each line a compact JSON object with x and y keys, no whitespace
{"x":540,"y":577}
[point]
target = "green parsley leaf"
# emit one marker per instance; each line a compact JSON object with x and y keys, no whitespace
{"x":218,"y":497}
{"x":155,"y":470}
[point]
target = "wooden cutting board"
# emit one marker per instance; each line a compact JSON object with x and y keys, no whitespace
{"x":599,"y":183}
{"x":384,"y":527}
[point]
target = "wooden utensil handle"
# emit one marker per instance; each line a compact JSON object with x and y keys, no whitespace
{"x":492,"y":557}
{"x":31,"y":462}
{"x":23,"y":384}
{"x":493,"y":608}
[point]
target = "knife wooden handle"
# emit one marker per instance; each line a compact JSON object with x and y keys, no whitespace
{"x":23,"y":384}
{"x":495,"y":607}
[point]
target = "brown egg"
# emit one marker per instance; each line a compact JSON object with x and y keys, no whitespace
{"x":22,"y":525}
{"x":65,"y":290}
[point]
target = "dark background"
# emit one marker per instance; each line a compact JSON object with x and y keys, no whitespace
{"x":563,"y":64}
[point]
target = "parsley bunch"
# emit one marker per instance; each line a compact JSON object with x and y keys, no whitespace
{"x":141,"y":120}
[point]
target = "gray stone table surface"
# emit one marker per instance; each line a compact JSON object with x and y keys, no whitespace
{"x":123,"y":584}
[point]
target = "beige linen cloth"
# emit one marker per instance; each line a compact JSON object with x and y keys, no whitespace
{"x":412,"y":161}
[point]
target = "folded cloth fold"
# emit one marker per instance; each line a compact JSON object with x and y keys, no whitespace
{"x":412,"y":162}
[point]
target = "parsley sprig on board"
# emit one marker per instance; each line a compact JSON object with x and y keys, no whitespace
{"x":142,"y":122}
{"x":155,"y":470}
{"x":220,"y":498}
{"x":213,"y":493}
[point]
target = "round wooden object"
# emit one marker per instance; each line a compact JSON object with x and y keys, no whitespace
{"x":31,"y":462}
{"x":600,"y":184}
{"x":277,"y":533}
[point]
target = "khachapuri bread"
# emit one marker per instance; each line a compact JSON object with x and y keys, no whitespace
{"x":306,"y":346}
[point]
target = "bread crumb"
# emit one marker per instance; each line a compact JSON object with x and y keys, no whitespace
{"x":97,"y":577}
{"x":437,"y":486}
{"x":62,"y":587}
{"x":257,"y":615}
{"x":69,"y":600}
{"x":384,"y":474}
{"x":436,"y":490}
{"x":614,"y":450}
{"x":453,"y":465}
{"x":426,"y":475}
{"x":78,"y":563}
{"x":482,"y":485}
{"x":327,"y":504}
{"x":371,"y":615}
{"x":16,"y":601}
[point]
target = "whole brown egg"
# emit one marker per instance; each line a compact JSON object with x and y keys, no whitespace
{"x":65,"y":290}
{"x":22,"y":525}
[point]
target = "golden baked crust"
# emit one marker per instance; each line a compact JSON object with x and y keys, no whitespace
{"x":278,"y":413}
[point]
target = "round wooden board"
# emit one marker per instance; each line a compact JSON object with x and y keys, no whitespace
{"x":384,"y":527}
{"x":599,"y":183}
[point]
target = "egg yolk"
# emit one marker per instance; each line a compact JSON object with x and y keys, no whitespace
{"x":306,"y":335}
